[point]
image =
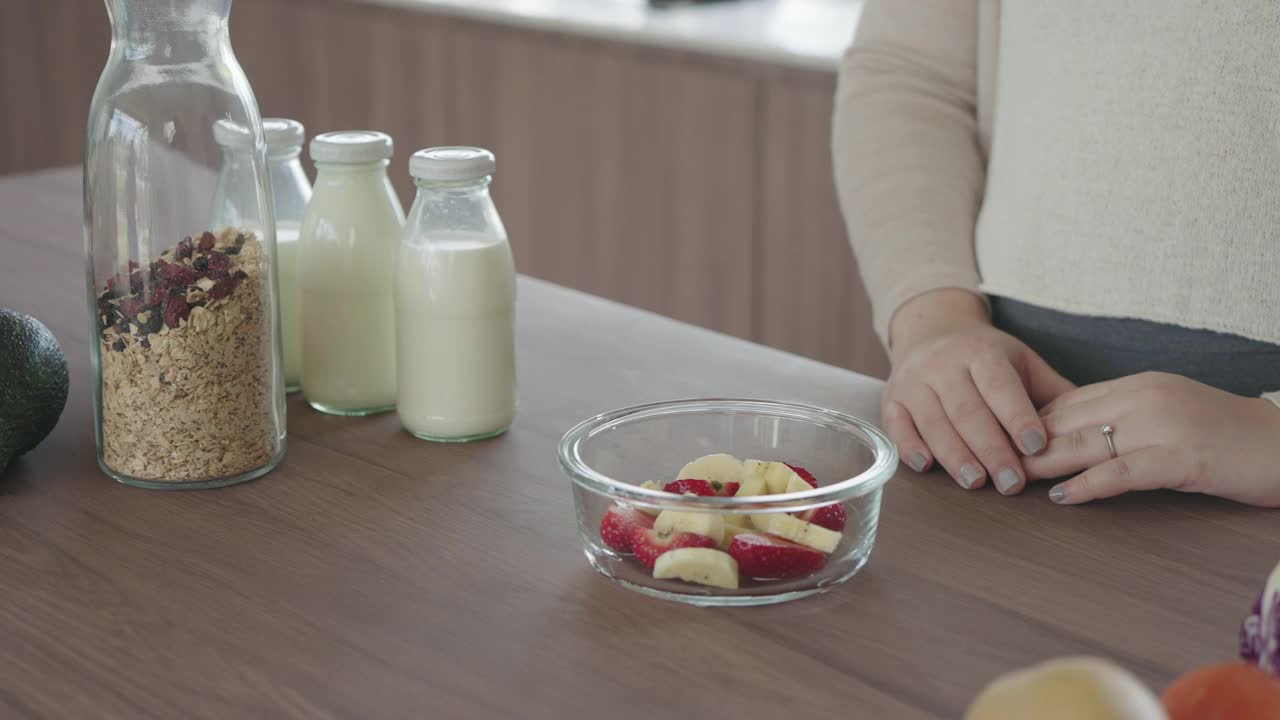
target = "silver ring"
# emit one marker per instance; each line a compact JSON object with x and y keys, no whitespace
{"x":1107,"y":431}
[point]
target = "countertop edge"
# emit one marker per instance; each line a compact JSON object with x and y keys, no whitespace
{"x":709,"y":46}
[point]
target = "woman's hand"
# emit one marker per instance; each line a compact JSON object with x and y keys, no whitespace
{"x":1169,"y":432}
{"x":965,"y":393}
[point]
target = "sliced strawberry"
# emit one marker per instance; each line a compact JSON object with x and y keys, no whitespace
{"x":619,"y":523}
{"x":705,"y":488}
{"x":728,"y":489}
{"x":805,"y":475}
{"x":690,"y":486}
{"x":764,"y":556}
{"x":831,"y":517}
{"x":649,"y":543}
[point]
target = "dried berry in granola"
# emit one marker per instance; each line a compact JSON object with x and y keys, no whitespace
{"x":184,"y":249}
{"x":163,"y":294}
{"x":174,"y":274}
{"x":219,"y":263}
{"x":222,"y":288}
{"x":176,"y":310}
{"x":131,"y":306}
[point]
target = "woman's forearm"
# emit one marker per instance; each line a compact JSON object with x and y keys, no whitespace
{"x":909,"y":168}
{"x":933,"y":314}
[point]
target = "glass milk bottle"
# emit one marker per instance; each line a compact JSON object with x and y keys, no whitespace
{"x":455,"y":303}
{"x":347,"y":247}
{"x":291,"y":191}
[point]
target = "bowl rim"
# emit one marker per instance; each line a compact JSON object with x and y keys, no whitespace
{"x":882,"y":469}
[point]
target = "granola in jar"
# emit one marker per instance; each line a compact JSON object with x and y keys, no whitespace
{"x":187,"y":362}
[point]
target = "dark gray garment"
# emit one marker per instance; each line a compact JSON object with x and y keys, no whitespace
{"x":1091,"y":349}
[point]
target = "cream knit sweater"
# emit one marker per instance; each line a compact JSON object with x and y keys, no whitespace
{"x":1103,"y":157}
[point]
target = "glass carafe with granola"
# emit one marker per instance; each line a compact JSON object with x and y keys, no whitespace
{"x":187,"y":372}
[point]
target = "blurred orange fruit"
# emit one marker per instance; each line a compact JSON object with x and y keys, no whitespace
{"x":1230,"y":691}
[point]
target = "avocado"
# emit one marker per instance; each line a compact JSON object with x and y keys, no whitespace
{"x":33,"y":384}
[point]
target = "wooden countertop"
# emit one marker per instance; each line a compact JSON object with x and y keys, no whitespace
{"x":377,"y":576}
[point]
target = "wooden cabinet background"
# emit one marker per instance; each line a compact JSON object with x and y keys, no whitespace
{"x":698,"y":187}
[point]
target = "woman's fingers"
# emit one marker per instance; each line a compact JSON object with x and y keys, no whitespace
{"x":1088,"y":414}
{"x":1044,"y":384}
{"x":981,"y":432}
{"x":1088,"y":393}
{"x":902,"y":431}
{"x":1102,"y":389}
{"x":1146,"y":469}
{"x":945,"y":443}
{"x":1076,"y":440}
{"x":1071,"y":452}
{"x":1002,"y":389}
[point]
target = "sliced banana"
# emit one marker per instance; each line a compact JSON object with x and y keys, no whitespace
{"x":649,"y":485}
{"x":733,"y":530}
{"x":704,"y":566}
{"x":797,"y":484}
{"x":797,"y":530}
{"x":777,"y":476}
{"x":752,"y":484}
{"x":721,"y":468}
{"x":674,"y":521}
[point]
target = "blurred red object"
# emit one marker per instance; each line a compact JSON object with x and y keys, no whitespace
{"x":1230,"y":691}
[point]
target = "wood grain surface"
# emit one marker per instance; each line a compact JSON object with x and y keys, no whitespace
{"x":378,"y":576}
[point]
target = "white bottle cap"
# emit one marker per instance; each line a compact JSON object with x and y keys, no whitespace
{"x":452,"y":164}
{"x":282,"y":134}
{"x":351,"y":146}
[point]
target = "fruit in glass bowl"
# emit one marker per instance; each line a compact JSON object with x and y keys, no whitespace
{"x":668,"y":477}
{"x":764,"y":546}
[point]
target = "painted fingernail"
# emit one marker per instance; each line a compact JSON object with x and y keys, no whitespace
{"x":969,"y":476}
{"x":1058,"y":494}
{"x":918,"y":461}
{"x":1006,"y":480}
{"x":1032,"y":441}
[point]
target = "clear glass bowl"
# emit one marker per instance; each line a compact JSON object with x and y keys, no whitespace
{"x":608,"y":457}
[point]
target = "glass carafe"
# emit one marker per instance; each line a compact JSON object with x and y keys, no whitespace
{"x":187,"y":373}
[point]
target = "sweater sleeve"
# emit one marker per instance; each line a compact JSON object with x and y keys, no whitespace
{"x":909,"y":168}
